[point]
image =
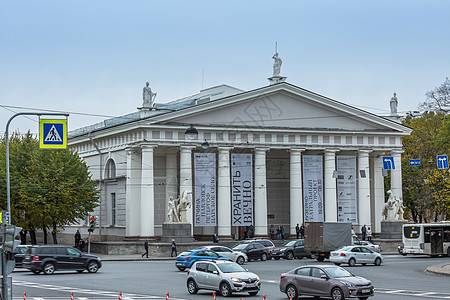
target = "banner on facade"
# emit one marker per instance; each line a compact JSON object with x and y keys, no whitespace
{"x":241,"y":189}
{"x":205,"y":189}
{"x":346,"y":189}
{"x":313,"y":188}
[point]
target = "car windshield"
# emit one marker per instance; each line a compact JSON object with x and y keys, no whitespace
{"x":345,"y":248}
{"x":240,"y":246}
{"x":289,"y":244}
{"x":230,"y":268}
{"x":185,"y":253}
{"x":337,"y":272}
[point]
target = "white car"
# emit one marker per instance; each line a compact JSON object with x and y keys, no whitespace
{"x":368,"y":244}
{"x":353,"y":255}
{"x":236,"y":256}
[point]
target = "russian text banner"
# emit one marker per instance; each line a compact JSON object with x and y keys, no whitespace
{"x":205,"y":189}
{"x":346,"y":188}
{"x":241,"y":189}
{"x":313,"y":188}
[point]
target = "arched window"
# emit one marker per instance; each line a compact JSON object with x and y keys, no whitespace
{"x":110,"y":169}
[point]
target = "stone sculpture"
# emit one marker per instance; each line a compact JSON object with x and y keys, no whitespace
{"x":394,"y":105}
{"x":172,"y":214}
{"x":276,"y":65}
{"x":147,"y":96}
{"x":182,"y":207}
{"x":393,"y":209}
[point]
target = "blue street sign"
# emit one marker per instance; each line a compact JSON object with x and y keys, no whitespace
{"x":414,"y":162}
{"x":442,"y":162}
{"x":388,"y":163}
{"x":53,"y":134}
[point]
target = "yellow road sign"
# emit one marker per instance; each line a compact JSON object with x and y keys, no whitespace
{"x":52,"y":134}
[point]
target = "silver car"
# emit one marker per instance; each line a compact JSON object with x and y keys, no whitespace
{"x":353,"y":255}
{"x":325,"y":281}
{"x":236,"y":256}
{"x":226,"y":277}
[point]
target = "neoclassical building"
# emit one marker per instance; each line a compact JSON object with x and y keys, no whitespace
{"x":278,"y":155}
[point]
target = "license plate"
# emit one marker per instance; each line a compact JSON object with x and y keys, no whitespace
{"x":365,"y":291}
{"x":179,"y":264}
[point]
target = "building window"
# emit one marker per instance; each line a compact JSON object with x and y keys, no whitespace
{"x":110,"y":169}
{"x":113,"y":208}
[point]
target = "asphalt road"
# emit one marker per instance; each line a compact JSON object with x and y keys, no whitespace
{"x":397,"y":278}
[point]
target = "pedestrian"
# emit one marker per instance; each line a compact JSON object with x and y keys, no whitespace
{"x":278,"y":232}
{"x":215,"y":238}
{"x":282,"y":232}
{"x":297,"y":231}
{"x":302,"y":231}
{"x":82,"y":245}
{"x":363,"y":232}
{"x":146,"y":248}
{"x":251,"y":231}
{"x":174,"y":248}
{"x":272,"y":232}
{"x":369,"y":234}
{"x":77,"y":239}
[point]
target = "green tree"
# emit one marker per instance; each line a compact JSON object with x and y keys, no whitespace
{"x":424,"y":191}
{"x":49,"y":188}
{"x":438,"y":100}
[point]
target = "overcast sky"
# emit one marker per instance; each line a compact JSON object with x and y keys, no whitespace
{"x":94,"y":57}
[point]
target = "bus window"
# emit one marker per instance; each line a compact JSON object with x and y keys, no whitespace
{"x":411,"y":232}
{"x":426,"y":235}
{"x":446,"y":234}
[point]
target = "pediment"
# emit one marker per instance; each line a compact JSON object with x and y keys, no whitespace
{"x":285,"y":106}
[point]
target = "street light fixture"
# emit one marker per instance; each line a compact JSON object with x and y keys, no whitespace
{"x":191,"y":133}
{"x":205,"y":145}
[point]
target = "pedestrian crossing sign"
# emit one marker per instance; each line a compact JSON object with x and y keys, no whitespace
{"x":52,"y":134}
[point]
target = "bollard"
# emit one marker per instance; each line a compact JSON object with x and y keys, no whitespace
{"x":120,"y":295}
{"x":214,"y":295}
{"x":264,"y":297}
{"x":167,"y":296}
{"x":71,"y":295}
{"x":290,"y":297}
{"x":24,"y":295}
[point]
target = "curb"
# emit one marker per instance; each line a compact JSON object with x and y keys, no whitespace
{"x":442,"y":270}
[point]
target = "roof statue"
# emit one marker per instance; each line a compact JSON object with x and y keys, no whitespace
{"x":276,"y":78}
{"x":147,"y":96}
{"x":394,"y":105}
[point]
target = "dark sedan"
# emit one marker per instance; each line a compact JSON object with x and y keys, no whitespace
{"x":325,"y":281}
{"x":290,"y":250}
{"x":254,"y":250}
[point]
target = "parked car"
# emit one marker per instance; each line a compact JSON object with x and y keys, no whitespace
{"x":50,"y":258}
{"x":266,"y":243}
{"x":290,"y":250}
{"x":19,"y":254}
{"x":253,"y":250}
{"x":227,"y":277}
{"x":236,"y":256}
{"x":352,"y":255}
{"x":368,"y":244}
{"x":325,"y":281}
{"x":188,"y":257}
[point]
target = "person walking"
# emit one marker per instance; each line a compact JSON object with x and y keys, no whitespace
{"x":82,"y":245}
{"x":363,"y":232}
{"x":302,"y":231}
{"x":146,"y":248}
{"x":297,"y":231}
{"x":369,"y":234}
{"x":174,"y":248}
{"x":77,"y":239}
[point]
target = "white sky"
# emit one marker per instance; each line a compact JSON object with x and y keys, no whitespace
{"x":94,"y":57}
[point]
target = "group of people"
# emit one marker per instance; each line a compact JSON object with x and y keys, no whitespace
{"x":366,"y":232}
{"x":79,"y":242}
{"x":279,"y":234}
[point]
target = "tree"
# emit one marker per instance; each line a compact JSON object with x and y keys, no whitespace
{"x":424,"y":188}
{"x":438,"y":100}
{"x":50,"y":188}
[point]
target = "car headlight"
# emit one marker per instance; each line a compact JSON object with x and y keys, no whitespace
{"x":349,"y":284}
{"x":235,"y":279}
{"x":282,"y":250}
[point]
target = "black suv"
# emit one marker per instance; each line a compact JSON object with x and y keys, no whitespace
{"x":49,"y":258}
{"x":254,"y":250}
{"x":290,"y":250}
{"x":266,"y":243}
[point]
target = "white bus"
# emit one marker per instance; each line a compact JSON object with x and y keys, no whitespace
{"x":426,"y":238}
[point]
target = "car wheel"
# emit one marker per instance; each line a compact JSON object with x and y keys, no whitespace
{"x":263,"y":257}
{"x":300,"y":257}
{"x":92,"y":267}
{"x":337,"y":264}
{"x":192,"y":287}
{"x":225,"y":289}
{"x":352,"y":262}
{"x":49,"y":269}
{"x":276,"y":258}
{"x":252,"y":293}
{"x":377,"y":261}
{"x":320,"y":258}
{"x":291,"y":291}
{"x":290,"y":255}
{"x":36,"y":272}
{"x":337,"y":294}
{"x":240,"y":260}
{"x":181,"y":268}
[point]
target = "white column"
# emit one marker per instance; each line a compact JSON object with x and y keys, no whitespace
{"x":296,"y":199}
{"x":396,"y":174}
{"x":378,"y":189}
{"x":147,"y":192}
{"x":260,"y":192}
{"x":186,"y":178}
{"x":171,"y":178}
{"x":133,"y":193}
{"x":224,"y":193}
{"x":330,"y":186}
{"x":363,"y":188}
